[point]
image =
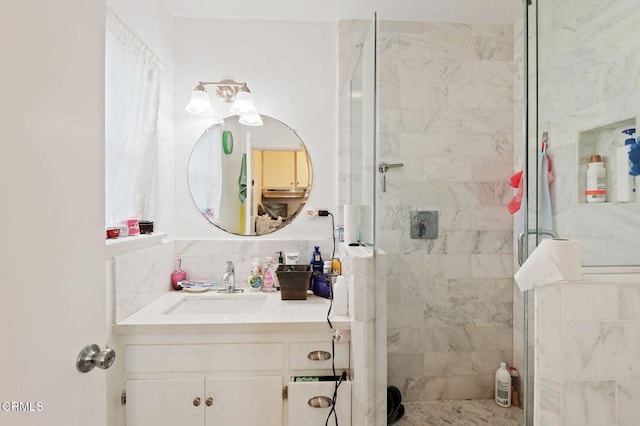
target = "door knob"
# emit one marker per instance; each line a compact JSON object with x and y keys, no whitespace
{"x":91,"y":356}
{"x":196,"y":402}
{"x":209,"y":402}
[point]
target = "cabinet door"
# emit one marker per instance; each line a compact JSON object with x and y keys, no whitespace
{"x":243,"y":401}
{"x":165,"y":402}
{"x":277,"y":169}
{"x":302,"y":170}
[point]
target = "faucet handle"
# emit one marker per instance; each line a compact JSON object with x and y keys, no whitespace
{"x":230,"y":267}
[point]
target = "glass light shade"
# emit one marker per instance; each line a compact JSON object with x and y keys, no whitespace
{"x":252,"y":119}
{"x":200,"y":104}
{"x":243,"y":104}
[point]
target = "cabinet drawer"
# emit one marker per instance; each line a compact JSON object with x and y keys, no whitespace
{"x":311,"y":355}
{"x":300,"y":409}
{"x":206,"y":357}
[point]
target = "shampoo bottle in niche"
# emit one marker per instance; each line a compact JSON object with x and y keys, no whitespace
{"x":625,"y":183}
{"x":503,"y":386}
{"x":596,"y":181}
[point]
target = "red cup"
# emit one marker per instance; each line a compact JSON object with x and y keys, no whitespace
{"x":113,"y":233}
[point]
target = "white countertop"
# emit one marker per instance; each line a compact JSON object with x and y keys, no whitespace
{"x":274,"y":315}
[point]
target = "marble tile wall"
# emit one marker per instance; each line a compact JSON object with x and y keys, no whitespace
{"x":586,"y":352}
{"x":140,"y":277}
{"x":446,"y":112}
{"x":589,"y":78}
{"x":446,"y":99}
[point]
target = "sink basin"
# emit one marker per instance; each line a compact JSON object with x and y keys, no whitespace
{"x":217,"y":305}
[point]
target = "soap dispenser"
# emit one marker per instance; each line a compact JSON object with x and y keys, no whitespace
{"x":625,"y":183}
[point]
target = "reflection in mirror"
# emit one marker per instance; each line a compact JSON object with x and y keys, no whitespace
{"x":249,"y":180}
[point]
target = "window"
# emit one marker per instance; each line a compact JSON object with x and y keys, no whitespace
{"x":132,"y":98}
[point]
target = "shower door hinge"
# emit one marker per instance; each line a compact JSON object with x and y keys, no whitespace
{"x":123,"y":398}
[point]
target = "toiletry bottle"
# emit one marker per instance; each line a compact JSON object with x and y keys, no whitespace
{"x":255,"y":275}
{"x":326,"y":267}
{"x":503,"y":386}
{"x":596,"y":181}
{"x":178,"y":275}
{"x":625,"y":183}
{"x":268,"y":277}
{"x":336,"y":266}
{"x":316,"y":261}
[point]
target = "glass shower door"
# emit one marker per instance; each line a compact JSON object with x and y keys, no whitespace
{"x":363,"y":156}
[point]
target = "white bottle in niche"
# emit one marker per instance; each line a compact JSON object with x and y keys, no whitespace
{"x":596,"y":181}
{"x":503,"y":386}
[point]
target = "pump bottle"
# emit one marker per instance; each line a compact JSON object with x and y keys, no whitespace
{"x":503,"y":386}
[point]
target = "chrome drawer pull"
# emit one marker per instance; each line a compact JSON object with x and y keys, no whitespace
{"x":320,"y":402}
{"x":319,"y":355}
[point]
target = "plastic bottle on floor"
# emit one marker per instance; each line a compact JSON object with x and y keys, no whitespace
{"x":503,"y":386}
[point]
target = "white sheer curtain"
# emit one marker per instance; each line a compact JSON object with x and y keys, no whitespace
{"x":132,"y":92}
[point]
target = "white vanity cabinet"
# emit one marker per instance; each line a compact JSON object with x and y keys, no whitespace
{"x":204,"y":402}
{"x":232,"y":379}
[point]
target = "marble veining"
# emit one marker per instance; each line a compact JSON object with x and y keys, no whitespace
{"x":446,"y":111}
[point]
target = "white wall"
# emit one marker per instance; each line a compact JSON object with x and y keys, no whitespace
{"x":291,"y":69}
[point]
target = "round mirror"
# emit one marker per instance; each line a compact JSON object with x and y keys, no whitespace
{"x":249,"y":180}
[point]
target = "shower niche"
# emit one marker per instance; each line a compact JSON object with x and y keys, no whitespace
{"x":604,"y":141}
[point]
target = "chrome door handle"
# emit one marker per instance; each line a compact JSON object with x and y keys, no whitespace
{"x":522,"y":236}
{"x":91,"y":356}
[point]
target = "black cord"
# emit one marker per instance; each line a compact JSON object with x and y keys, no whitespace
{"x":338,"y":381}
{"x":333,"y":254}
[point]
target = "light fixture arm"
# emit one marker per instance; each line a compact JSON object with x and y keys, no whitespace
{"x":225,"y":89}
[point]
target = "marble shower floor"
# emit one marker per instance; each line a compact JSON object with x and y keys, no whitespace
{"x":459,"y":413}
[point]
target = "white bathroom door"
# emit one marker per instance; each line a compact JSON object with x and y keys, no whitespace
{"x":52,"y":253}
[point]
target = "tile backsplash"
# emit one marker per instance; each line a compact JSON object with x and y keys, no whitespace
{"x":141,"y":276}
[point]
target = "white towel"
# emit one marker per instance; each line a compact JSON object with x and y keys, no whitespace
{"x":545,"y":215}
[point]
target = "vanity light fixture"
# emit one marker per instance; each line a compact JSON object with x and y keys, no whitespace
{"x":227,"y":91}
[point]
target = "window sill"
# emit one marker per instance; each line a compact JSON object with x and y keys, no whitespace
{"x":124,"y":245}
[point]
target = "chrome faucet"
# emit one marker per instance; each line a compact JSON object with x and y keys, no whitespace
{"x":229,"y":278}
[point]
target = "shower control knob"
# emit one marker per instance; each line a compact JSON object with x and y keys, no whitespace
{"x":91,"y":356}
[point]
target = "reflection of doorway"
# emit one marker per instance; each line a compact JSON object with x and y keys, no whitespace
{"x":281,"y":185}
